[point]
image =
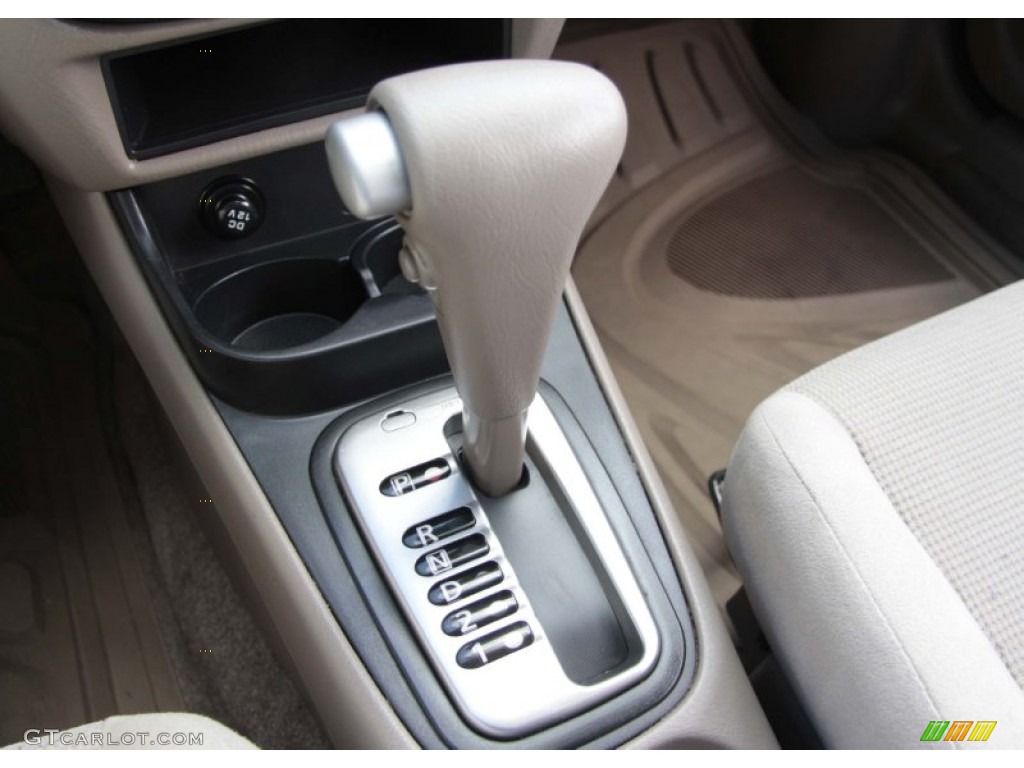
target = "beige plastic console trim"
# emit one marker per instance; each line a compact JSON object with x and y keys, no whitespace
{"x":54,"y":103}
{"x":720,"y":710}
{"x":351,"y":707}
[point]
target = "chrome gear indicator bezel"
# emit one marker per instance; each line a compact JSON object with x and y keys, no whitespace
{"x":525,"y":689}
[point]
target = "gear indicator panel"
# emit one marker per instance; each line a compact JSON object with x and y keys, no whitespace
{"x":443,"y":561}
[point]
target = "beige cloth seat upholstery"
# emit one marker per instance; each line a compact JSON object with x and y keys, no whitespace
{"x":875,"y":508}
{"x":165,"y":730}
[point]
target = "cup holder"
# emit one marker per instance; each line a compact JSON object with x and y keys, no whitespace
{"x":280,"y":304}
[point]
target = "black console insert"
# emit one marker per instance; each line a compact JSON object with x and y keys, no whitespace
{"x":307,"y":312}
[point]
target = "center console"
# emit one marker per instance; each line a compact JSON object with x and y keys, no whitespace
{"x":547,"y":618}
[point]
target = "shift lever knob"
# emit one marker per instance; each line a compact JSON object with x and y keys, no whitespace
{"x":492,"y":169}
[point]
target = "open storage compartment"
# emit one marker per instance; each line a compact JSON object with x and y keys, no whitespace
{"x":172,"y":97}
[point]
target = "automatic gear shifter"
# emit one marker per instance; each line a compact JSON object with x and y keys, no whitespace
{"x":524,"y":602}
{"x":492,"y":169}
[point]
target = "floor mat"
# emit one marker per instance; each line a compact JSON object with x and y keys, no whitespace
{"x":734,"y":250}
{"x":79,"y":640}
{"x":788,"y":235}
{"x":227,"y":670}
{"x":112,"y":600}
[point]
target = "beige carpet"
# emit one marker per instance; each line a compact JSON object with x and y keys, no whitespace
{"x":727,"y":258}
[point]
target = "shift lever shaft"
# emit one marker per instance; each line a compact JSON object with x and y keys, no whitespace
{"x":492,"y":169}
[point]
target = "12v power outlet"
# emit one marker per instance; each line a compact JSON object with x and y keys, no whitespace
{"x":231,"y":207}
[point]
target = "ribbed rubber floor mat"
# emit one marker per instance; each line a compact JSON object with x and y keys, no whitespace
{"x":78,"y":637}
{"x":112,"y":598}
{"x":788,"y":235}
